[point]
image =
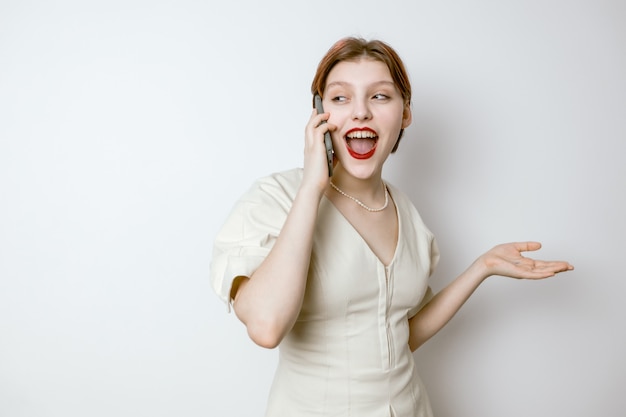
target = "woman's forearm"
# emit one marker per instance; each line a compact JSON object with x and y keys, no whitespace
{"x":444,"y":305}
{"x":269,"y":302}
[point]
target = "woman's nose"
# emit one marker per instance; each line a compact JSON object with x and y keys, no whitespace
{"x":361,"y":110}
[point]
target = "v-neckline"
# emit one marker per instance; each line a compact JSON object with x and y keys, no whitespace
{"x":362,"y":239}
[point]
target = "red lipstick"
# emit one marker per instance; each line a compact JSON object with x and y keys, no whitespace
{"x":361,"y":145}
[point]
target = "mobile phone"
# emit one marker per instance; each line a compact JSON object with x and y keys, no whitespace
{"x":327,"y":139}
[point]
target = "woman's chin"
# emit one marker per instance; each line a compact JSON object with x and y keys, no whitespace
{"x":361,"y":169}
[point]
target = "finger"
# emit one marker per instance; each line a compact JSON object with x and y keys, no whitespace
{"x":539,"y":275}
{"x":317,"y":119}
{"x":548,"y":272}
{"x":557,"y":266}
{"x":527,"y":246}
{"x":315,"y":128}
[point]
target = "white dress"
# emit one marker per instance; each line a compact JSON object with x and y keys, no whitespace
{"x":348,"y":353}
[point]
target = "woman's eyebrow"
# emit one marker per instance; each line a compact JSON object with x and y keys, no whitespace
{"x":347,"y":84}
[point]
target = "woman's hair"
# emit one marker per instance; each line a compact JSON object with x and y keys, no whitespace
{"x":352,"y":49}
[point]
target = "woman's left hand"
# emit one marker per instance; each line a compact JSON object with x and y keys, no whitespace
{"x":507,"y":260}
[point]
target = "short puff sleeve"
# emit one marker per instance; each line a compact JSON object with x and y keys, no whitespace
{"x":251,"y":229}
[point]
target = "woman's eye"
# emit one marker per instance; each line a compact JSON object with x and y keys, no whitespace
{"x":381,"y":96}
{"x":339,"y":99}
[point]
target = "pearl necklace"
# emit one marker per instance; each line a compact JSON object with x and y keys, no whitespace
{"x":359,"y":202}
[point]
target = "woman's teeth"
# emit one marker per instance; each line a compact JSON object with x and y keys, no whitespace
{"x":361,"y":135}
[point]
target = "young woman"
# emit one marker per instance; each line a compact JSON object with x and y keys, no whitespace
{"x":335,"y":270}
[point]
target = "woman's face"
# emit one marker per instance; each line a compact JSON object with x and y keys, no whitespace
{"x":369,"y":112}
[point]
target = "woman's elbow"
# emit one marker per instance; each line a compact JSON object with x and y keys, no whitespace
{"x":265,"y":327}
{"x":265,"y":334}
{"x":414,"y":345}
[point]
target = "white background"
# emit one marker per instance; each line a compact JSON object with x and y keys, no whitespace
{"x":129,"y":128}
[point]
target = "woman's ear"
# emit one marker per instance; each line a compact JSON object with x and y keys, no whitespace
{"x":407,"y":116}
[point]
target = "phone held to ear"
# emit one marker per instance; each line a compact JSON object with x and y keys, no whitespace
{"x":327,"y":139}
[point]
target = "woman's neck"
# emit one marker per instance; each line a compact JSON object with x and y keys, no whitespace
{"x":371,"y":189}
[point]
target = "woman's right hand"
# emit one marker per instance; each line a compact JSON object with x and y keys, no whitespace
{"x":315,"y":162}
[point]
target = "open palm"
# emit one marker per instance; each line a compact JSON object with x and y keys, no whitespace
{"x":507,"y":260}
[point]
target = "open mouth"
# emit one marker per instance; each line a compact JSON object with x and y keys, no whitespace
{"x":361,"y":143}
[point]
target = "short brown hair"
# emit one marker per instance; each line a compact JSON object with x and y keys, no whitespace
{"x":351,"y":49}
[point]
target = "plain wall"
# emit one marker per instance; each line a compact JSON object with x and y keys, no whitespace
{"x":129,"y":128}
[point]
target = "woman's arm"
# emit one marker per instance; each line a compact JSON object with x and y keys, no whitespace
{"x":269,"y":302}
{"x":505,"y":260}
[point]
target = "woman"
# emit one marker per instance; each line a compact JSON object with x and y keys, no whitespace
{"x":335,"y":270}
